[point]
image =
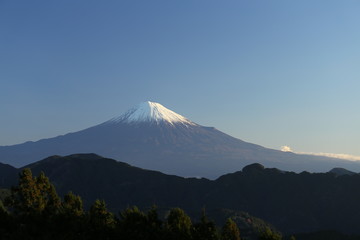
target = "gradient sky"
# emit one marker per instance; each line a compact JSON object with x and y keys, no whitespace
{"x":272,"y":73}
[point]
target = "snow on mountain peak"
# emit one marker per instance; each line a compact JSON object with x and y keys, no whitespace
{"x":151,"y":112}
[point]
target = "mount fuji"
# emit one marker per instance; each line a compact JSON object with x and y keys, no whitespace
{"x":153,"y":137}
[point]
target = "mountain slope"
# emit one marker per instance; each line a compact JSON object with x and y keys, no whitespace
{"x":154,"y":137}
{"x":122,"y":185}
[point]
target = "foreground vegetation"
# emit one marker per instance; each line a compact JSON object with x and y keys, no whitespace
{"x":35,"y":211}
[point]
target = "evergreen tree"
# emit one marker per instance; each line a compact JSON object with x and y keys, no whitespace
{"x":133,"y":224}
{"x":24,"y":197}
{"x":178,"y":225}
{"x":72,"y":206}
{"x":48,"y":199}
{"x":205,"y":229}
{"x":33,"y":195}
{"x":154,"y":229}
{"x":34,"y":203}
{"x":100,"y":216}
{"x":268,"y":234}
{"x":101,"y":221}
{"x":230,"y":231}
{"x":71,"y":222}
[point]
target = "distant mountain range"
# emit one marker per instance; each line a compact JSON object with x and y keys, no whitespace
{"x":292,"y":202}
{"x":153,"y":137}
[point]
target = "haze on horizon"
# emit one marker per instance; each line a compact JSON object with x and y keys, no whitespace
{"x":273,"y":73}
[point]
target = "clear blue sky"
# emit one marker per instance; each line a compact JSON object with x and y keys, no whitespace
{"x":269,"y":72}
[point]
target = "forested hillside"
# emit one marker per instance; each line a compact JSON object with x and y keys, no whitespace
{"x":293,"y":203}
{"x":34,"y":210}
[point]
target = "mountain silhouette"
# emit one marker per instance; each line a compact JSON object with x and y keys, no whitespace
{"x":153,"y":137}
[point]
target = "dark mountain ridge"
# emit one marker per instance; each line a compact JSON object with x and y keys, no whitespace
{"x":341,"y":171}
{"x":122,"y":185}
{"x":291,"y":202}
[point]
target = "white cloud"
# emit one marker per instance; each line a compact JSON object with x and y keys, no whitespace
{"x":335,"y":155}
{"x":286,"y":149}
{"x":331,"y":155}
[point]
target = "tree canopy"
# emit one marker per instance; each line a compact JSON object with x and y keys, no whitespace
{"x":35,"y":211}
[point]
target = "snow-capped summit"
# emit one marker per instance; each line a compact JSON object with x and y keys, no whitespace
{"x":151,"y":112}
